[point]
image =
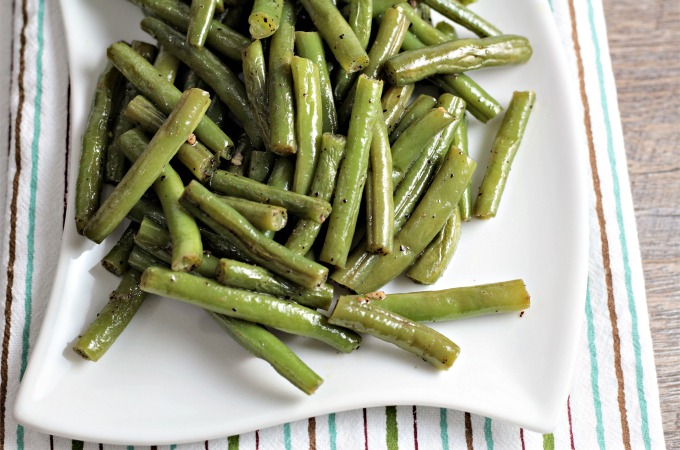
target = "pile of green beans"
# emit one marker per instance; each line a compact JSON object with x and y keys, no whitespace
{"x":336,"y":174}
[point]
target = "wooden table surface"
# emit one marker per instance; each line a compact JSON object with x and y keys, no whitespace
{"x":644,"y":39}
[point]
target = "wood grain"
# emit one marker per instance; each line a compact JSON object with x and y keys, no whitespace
{"x":644,"y":39}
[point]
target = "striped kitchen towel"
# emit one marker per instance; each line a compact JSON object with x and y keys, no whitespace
{"x":614,"y":400}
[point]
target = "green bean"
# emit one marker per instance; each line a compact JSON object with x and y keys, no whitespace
{"x":360,"y":21}
{"x":260,"y":165}
{"x":416,"y":110}
{"x":147,"y":208}
{"x":281,"y":100}
{"x":427,"y":220}
{"x":412,"y":141}
{"x":456,"y":56}
{"x":332,"y":151}
{"x":263,"y":217}
{"x":157,"y":242}
{"x":115,"y":160}
{"x":115,"y":260}
{"x":434,"y":260}
{"x":264,"y":18}
{"x":460,"y":140}
{"x":309,"y":45}
{"x":308,"y":122}
{"x":255,"y":278}
{"x":270,"y":311}
{"x":220,"y":37}
{"x":458,"y":13}
{"x":379,"y":201}
{"x":265,"y":252}
{"x":300,"y":205}
{"x":447,"y":29}
{"x":386,"y":44}
{"x":187,"y":248}
{"x":380,"y":6}
{"x":503,"y":151}
{"x":407,"y":194}
{"x":195,"y":157}
{"x":91,"y":167}
{"x":141,"y":260}
{"x":479,"y":102}
{"x":167,"y":64}
{"x":219,"y":6}
{"x":264,"y":345}
{"x":281,"y":178}
{"x":337,"y":33}
{"x":200,"y":18}
{"x":394,"y":101}
{"x":352,"y":175}
{"x":423,"y":29}
{"x":240,"y":160}
{"x":163,"y":94}
{"x":458,"y":302}
{"x":112,"y":319}
{"x":413,"y":337}
{"x":164,"y":145}
{"x":255,"y":78}
{"x":211,"y":70}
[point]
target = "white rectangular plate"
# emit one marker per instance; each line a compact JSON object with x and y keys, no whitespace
{"x":174,"y":376}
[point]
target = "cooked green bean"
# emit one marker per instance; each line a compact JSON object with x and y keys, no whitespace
{"x":255,"y":278}
{"x":141,"y":260}
{"x":459,"y":302}
{"x":147,"y":208}
{"x":427,"y":220}
{"x":379,"y":201}
{"x":380,"y":6}
{"x":353,"y":171}
{"x":306,"y":231}
{"x":263,"y":217}
{"x":167,"y":64}
{"x":416,"y":110}
{"x":503,"y":151}
{"x":264,"y":18}
{"x":394,"y":101}
{"x":260,"y":164}
{"x":163,"y":94}
{"x":447,"y":29}
{"x":479,"y":102}
{"x":422,"y":341}
{"x":187,"y":247}
{"x":269,"y":254}
{"x":112,"y":319}
{"x":434,"y":260}
{"x":195,"y":157}
{"x":360,"y":21}
{"x":211,"y":70}
{"x":270,"y":311}
{"x":458,"y":13}
{"x":282,"y":174}
{"x":300,"y":205}
{"x":91,"y":168}
{"x":456,"y":56}
{"x":164,"y":145}
{"x":412,"y":141}
{"x":309,"y":45}
{"x":255,"y":78}
{"x":281,"y":99}
{"x":386,"y":44}
{"x":240,"y":160}
{"x":423,"y":29}
{"x":115,"y":160}
{"x":115,"y":260}
{"x":407,"y":194}
{"x":460,"y":140}
{"x":308,"y":121}
{"x":264,"y":345}
{"x":220,"y":36}
{"x":337,"y":33}
{"x":202,"y":12}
